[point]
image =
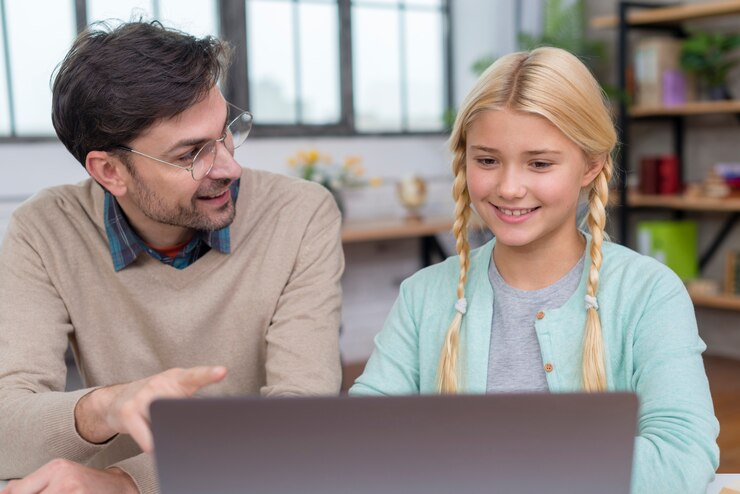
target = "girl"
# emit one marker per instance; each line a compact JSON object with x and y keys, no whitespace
{"x":545,"y":306}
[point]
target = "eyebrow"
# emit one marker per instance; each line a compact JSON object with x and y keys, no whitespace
{"x":533,"y":152}
{"x":194,"y":141}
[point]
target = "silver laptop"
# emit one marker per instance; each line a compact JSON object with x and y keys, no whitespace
{"x":510,"y":443}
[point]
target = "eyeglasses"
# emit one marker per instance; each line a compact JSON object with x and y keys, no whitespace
{"x":203,"y":159}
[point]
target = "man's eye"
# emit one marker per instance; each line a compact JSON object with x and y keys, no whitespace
{"x":188,"y":157}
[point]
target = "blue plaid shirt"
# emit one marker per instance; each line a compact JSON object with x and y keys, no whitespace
{"x":126,"y":245}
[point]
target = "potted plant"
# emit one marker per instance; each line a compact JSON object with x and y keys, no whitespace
{"x":321,"y":168}
{"x":708,"y":56}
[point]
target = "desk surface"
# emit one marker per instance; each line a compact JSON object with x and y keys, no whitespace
{"x":720,"y":481}
{"x":394,"y":228}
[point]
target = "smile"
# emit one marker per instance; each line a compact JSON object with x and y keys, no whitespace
{"x":515,"y":212}
{"x":214,"y":196}
{"x":216,"y":200}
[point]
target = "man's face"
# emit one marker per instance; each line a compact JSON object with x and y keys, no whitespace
{"x":161,"y":198}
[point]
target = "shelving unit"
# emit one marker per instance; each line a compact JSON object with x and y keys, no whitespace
{"x":683,"y":203}
{"x":669,"y":14}
{"x":718,"y":301}
{"x":651,"y":16}
{"x":687,"y":109}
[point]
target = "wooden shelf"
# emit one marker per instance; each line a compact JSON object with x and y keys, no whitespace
{"x":691,"y":108}
{"x":718,"y":301}
{"x":684,"y":203}
{"x":671,"y":14}
{"x":394,"y":228}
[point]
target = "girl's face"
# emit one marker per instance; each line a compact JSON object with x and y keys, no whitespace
{"x":524,"y":177}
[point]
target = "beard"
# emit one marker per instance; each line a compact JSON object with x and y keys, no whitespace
{"x":155,"y":208}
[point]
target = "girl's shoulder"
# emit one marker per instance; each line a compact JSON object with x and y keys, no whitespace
{"x":634,"y":268}
{"x":443,"y":276}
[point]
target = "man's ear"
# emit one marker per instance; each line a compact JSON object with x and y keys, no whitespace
{"x":108,"y":170}
{"x":593,"y":168}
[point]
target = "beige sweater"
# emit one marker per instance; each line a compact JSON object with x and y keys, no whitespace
{"x":269,"y":311}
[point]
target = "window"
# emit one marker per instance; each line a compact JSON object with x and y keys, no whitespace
{"x":197,"y":17}
{"x":25,"y":100}
{"x":5,"y":110}
{"x":399,"y":71}
{"x":293,"y":61}
{"x":301,"y":66}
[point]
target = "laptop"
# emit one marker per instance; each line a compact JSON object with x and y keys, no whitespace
{"x":465,"y":444}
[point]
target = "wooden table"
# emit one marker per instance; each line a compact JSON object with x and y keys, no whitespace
{"x":393,"y":228}
{"x":425,"y":229}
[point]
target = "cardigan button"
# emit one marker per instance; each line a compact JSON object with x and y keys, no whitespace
{"x":548,"y":367}
{"x":540,"y":315}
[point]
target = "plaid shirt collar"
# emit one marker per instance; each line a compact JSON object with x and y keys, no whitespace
{"x":126,"y":245}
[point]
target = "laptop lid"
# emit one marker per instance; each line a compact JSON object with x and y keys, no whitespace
{"x":501,"y":443}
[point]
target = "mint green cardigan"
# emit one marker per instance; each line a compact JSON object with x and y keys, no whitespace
{"x":652,"y":347}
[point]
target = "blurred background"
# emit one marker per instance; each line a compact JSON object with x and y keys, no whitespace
{"x":360,"y":95}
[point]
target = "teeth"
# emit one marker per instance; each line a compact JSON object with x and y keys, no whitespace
{"x":516,"y":212}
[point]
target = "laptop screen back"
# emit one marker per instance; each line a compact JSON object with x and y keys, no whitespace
{"x":529,"y":443}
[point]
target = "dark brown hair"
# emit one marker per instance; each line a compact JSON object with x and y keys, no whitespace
{"x":116,"y":82}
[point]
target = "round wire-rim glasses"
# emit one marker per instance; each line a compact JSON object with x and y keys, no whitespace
{"x":234,"y":135}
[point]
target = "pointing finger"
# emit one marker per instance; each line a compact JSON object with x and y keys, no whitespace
{"x":191,"y":380}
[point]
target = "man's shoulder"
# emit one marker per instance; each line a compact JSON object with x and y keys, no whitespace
{"x":69,"y":199}
{"x":263,"y":193}
{"x":265,"y":184}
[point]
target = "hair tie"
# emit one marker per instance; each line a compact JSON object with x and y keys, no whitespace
{"x":591,"y":303}
{"x":461,"y":305}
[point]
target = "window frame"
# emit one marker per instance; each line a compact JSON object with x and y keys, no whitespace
{"x":233,"y":29}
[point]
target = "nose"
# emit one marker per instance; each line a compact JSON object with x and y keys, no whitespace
{"x":511,"y":183}
{"x":224,"y":165}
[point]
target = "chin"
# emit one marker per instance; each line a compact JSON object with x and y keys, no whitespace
{"x":513,"y":239}
{"x":214,"y":221}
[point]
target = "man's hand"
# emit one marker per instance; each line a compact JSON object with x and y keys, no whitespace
{"x":63,"y":476}
{"x":124,"y":408}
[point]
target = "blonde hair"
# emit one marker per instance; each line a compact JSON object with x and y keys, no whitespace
{"x":554,"y":84}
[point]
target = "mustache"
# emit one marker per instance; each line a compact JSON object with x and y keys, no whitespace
{"x":214,"y":186}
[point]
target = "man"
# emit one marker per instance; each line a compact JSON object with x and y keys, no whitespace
{"x":160,"y":279}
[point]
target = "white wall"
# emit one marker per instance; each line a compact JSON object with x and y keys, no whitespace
{"x":374,"y":270}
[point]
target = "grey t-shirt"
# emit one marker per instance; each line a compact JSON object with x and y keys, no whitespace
{"x":514,"y":358}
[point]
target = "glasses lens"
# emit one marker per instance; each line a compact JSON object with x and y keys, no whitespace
{"x":239,"y":129}
{"x":204,"y":160}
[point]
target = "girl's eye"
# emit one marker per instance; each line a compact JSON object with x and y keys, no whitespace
{"x":487,"y":161}
{"x":541,"y":165}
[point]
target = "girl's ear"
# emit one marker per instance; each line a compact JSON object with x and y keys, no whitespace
{"x":593,"y":168}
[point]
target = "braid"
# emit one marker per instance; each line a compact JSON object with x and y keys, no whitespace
{"x":447,"y":374}
{"x":594,"y":371}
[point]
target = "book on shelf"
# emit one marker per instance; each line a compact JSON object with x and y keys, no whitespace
{"x":659,"y":80}
{"x":660,"y":175}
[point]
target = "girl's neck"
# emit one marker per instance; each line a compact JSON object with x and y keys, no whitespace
{"x":533,"y":267}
